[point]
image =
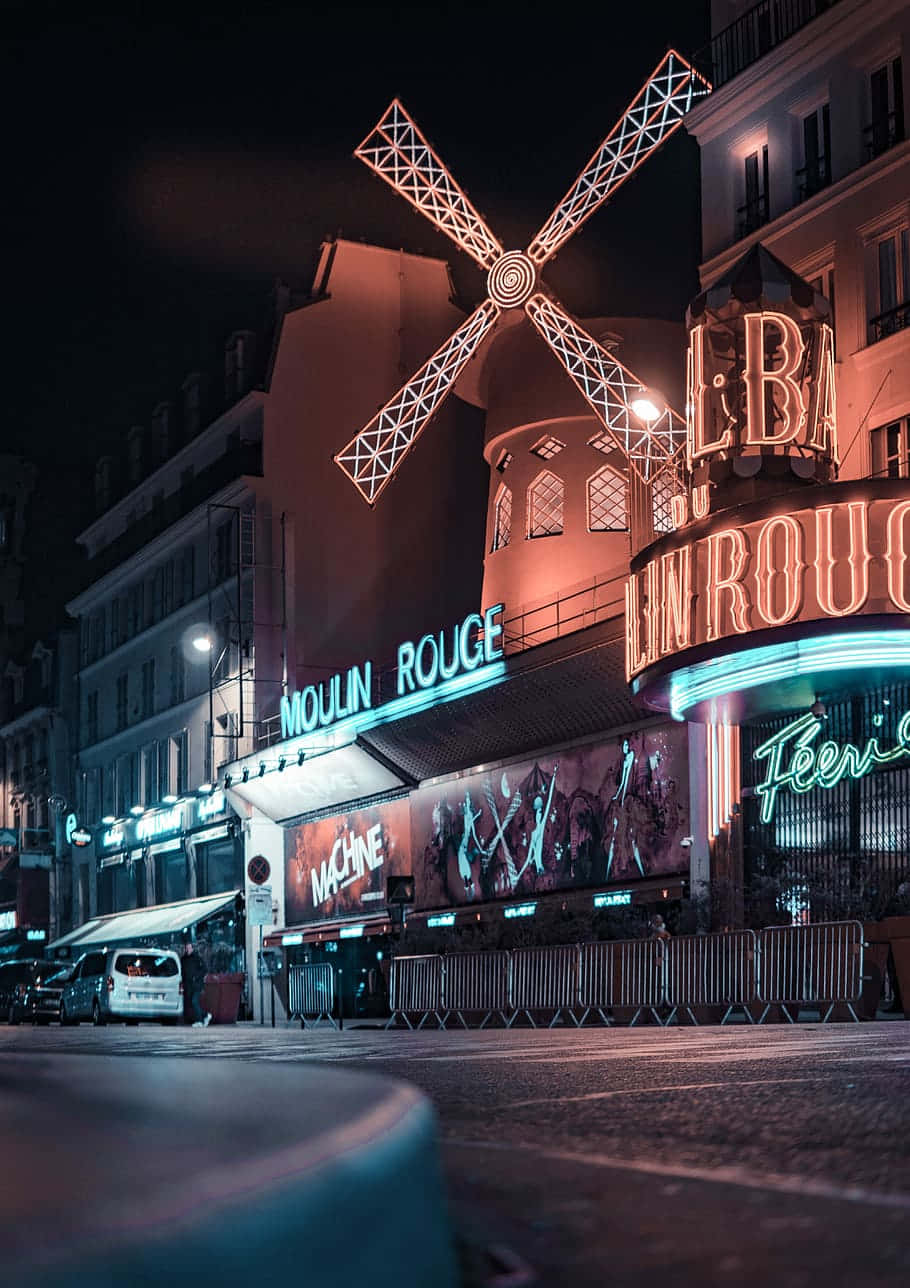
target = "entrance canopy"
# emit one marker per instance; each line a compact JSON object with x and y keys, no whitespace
{"x":142,"y":923}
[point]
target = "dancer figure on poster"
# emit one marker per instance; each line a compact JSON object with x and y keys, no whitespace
{"x":628,"y":761}
{"x":464,"y":863}
{"x":535,"y":845}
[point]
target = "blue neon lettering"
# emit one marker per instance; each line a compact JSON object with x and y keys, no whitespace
{"x":406,"y":668}
{"x":426,"y":677}
{"x":491,"y":632}
{"x":473,"y":659}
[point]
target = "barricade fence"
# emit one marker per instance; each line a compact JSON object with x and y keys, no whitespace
{"x":704,"y":977}
{"x":311,"y":993}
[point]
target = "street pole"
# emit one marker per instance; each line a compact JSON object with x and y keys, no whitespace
{"x":261,"y":994}
{"x":340,"y":999}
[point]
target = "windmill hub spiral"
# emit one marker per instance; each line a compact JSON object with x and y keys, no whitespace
{"x":512,"y":280}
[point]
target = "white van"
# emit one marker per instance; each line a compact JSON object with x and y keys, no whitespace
{"x":124,"y":984}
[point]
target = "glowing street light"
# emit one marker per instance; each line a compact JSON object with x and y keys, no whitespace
{"x":202,"y":643}
{"x":645,"y":409}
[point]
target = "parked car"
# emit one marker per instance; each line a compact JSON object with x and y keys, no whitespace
{"x":129,"y":984}
{"x":42,"y":999}
{"x":16,"y":979}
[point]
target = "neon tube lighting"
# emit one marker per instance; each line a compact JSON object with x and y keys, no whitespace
{"x":753,"y":667}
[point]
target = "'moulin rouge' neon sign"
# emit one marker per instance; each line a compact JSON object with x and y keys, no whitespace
{"x":796,"y":761}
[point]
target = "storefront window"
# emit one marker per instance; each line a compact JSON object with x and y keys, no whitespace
{"x":218,"y":866}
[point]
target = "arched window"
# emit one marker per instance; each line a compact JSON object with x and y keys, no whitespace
{"x":546,"y":503}
{"x":502,"y":518}
{"x":608,"y":506}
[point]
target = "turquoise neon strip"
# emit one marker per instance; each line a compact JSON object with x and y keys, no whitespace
{"x":734,"y":672}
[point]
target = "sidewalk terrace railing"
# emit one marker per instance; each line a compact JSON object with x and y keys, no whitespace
{"x":706,"y":978}
{"x":754,"y":34}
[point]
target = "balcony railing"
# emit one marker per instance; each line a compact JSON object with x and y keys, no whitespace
{"x":756,"y":32}
{"x":883,"y":134}
{"x":752,"y":215}
{"x":890,"y":322}
{"x":812,"y":178}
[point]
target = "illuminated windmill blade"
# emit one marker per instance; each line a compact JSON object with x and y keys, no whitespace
{"x":370,"y":459}
{"x":647,"y":122}
{"x":610,"y":389}
{"x":399,"y":153}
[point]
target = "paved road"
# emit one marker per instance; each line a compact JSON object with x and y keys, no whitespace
{"x":736,"y":1156}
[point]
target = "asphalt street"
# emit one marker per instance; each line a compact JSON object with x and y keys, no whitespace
{"x":772,"y":1156}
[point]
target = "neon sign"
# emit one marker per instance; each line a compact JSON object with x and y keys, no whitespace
{"x":781,"y":395}
{"x":442,"y":919}
{"x":434,"y":659}
{"x":796,"y":763}
{"x":840,"y":559}
{"x":150,"y":825}
{"x":521,"y":910}
{"x":613,"y":899}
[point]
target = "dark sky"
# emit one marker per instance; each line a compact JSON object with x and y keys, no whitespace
{"x":160,"y":174}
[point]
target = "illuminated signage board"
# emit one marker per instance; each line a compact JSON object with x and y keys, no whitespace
{"x":772,"y":391}
{"x":159,"y":823}
{"x":8,"y":919}
{"x":521,"y":910}
{"x":37,"y":935}
{"x":420,"y":667}
{"x":291,"y":941}
{"x":443,"y":919}
{"x":613,"y":899}
{"x":351,"y":932}
{"x":797,"y":762}
{"x":843,"y":558}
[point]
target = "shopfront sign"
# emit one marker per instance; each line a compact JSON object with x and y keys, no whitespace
{"x":844,"y":559}
{"x":798,"y":763}
{"x":420,"y":666}
{"x":76,"y":835}
{"x":155,"y":824}
{"x":8,"y":919}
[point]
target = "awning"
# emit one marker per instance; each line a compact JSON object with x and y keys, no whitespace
{"x":324,"y":931}
{"x":142,"y":923}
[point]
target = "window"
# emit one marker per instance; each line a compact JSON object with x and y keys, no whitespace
{"x":135,"y":785}
{"x":178,"y":675}
{"x":167,"y":591}
{"x":122,"y":798}
{"x":889,"y":289}
{"x":823,"y":282}
{"x":148,"y":688}
{"x":546,"y":502}
{"x":663,"y":489}
{"x":816,"y":169}
{"x":208,"y":767}
{"x":180,"y":742}
{"x":547,"y":447}
{"x":109,"y":789}
{"x":504,"y":461}
{"x":607,"y":506}
{"x":122,"y":701}
{"x":185,"y":576}
{"x":602,"y":442}
{"x":502,"y":517}
{"x":165,"y":760}
{"x":91,"y":718}
{"x":754,"y":211}
{"x":224,"y":553}
{"x":891,"y":450}
{"x":886,"y":116}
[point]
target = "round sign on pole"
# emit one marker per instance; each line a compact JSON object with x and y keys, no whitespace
{"x":258,"y":869}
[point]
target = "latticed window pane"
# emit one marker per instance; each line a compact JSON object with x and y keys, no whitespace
{"x":502,"y":519}
{"x":505,"y":460}
{"x":546,"y":499}
{"x":663,"y":489}
{"x":608,"y":510}
{"x":602,"y":442}
{"x":547,"y":447}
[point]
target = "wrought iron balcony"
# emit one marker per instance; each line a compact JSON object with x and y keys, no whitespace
{"x":885,"y":324}
{"x":752,"y":215}
{"x":812,"y":178}
{"x":754,"y":34}
{"x":883,"y":134}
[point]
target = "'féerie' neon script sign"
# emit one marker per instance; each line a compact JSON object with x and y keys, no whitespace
{"x":434,"y":659}
{"x":795,"y":761}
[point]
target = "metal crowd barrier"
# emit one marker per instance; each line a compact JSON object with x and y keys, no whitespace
{"x":545,"y":979}
{"x":311,"y":993}
{"x":621,"y":973}
{"x":710,"y":970}
{"x":476,"y":983}
{"x":814,"y":965}
{"x":415,"y":989}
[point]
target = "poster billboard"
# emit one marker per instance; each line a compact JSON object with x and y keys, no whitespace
{"x":337,"y":867}
{"x":604,"y":812}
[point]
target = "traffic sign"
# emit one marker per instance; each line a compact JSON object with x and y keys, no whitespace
{"x":258,"y":869}
{"x":259,"y":906}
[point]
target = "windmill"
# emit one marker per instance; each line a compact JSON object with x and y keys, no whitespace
{"x":400,"y":155}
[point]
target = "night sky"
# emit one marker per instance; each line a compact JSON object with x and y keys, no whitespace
{"x":161,"y":174}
